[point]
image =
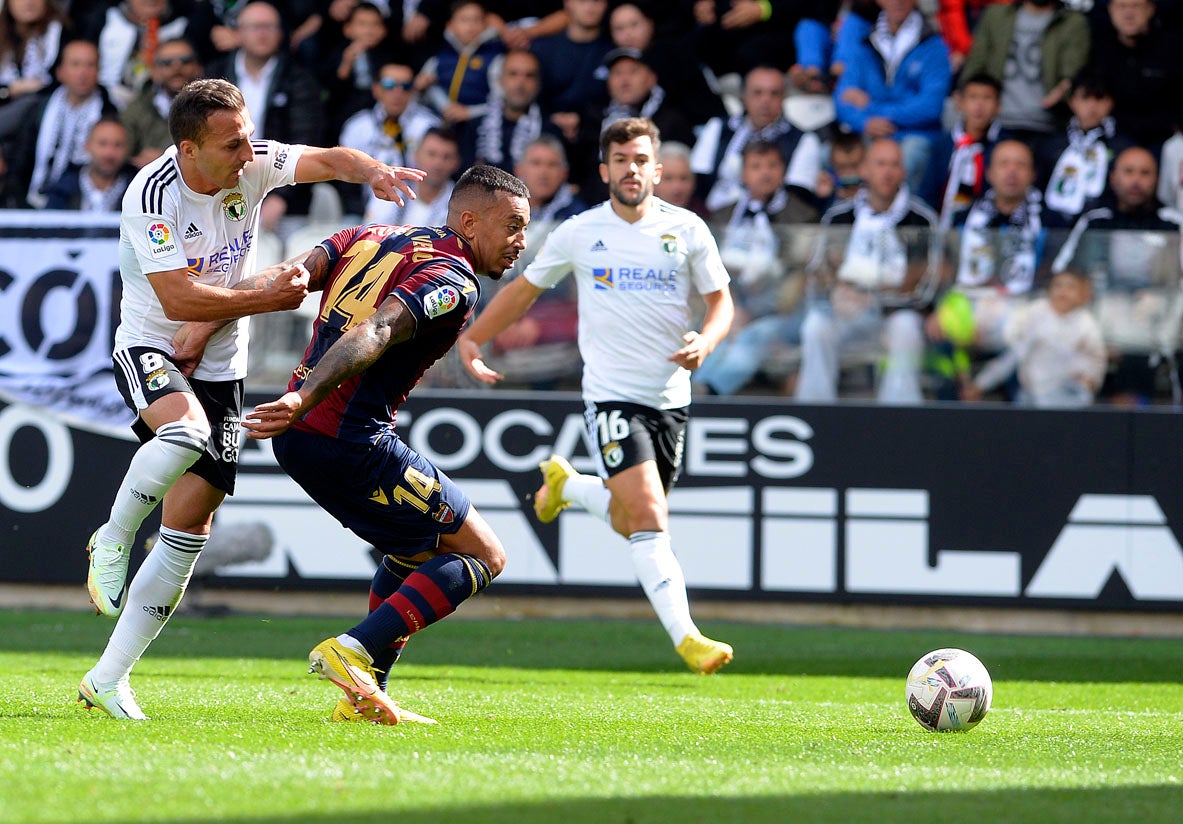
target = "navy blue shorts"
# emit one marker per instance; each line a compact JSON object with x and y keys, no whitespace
{"x":385,"y":493}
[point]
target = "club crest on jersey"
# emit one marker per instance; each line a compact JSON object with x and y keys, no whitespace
{"x":441,"y":301}
{"x":443,"y":514}
{"x":234,"y":205}
{"x":602,"y":278}
{"x":669,"y":244}
{"x":160,"y":235}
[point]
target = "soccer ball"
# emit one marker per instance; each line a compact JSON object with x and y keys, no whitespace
{"x":949,"y":689}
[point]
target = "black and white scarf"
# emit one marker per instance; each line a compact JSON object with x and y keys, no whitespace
{"x":490,"y":136}
{"x":95,"y":199}
{"x":41,"y":52}
{"x":875,"y":256}
{"x":730,"y":160}
{"x":61,"y":140}
{"x":1010,"y":262}
{"x":750,"y":247}
{"x":1082,"y":168}
{"x":894,"y":47}
{"x":967,"y":170}
{"x":560,"y":201}
{"x":618,"y":111}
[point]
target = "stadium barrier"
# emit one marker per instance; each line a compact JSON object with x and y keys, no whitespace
{"x":957,"y":505}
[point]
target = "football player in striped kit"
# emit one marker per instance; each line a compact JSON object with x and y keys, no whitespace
{"x":186,"y":254}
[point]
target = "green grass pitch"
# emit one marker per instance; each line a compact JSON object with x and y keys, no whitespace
{"x":586,"y":721}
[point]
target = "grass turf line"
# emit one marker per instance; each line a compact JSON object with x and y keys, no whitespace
{"x":577,"y":721}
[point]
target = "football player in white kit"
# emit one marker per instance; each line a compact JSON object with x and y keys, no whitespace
{"x":186,"y":253}
{"x":635,"y":258}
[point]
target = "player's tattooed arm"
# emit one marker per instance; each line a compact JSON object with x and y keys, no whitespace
{"x":350,"y":355}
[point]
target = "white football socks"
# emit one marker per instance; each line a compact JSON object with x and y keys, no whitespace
{"x":153,"y":470}
{"x":661,"y":577}
{"x":590,"y":493}
{"x":153,"y":595}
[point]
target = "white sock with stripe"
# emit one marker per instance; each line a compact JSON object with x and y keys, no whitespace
{"x":154,"y":469}
{"x":661,"y":577}
{"x":152,"y":597}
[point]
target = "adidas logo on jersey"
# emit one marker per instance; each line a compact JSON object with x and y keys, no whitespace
{"x":192,"y":232}
{"x":598,"y":246}
{"x":159,"y":613}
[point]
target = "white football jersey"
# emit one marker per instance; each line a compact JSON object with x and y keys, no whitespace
{"x":634,"y":283}
{"x":166,"y":225}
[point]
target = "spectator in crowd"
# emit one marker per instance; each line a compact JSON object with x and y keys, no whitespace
{"x":1002,"y":242}
{"x":349,"y":71}
{"x":633,"y":91}
{"x":55,"y":134}
{"x":882,"y":278}
{"x":813,"y":40}
{"x":756,"y":251}
{"x":541,"y":347}
{"x":213,"y":25}
{"x":437,"y":154}
{"x":738,"y":35}
{"x":1170,"y":181}
{"x":1138,"y":55}
{"x":963,"y":155}
{"x":569,"y":61}
{"x":390,"y":130}
{"x":99,"y":184}
{"x":30,"y":38}
{"x":455,"y":81}
{"x":128,"y":35}
{"x":956,"y":20}
{"x":896,"y":84}
{"x":678,"y":183}
{"x":1115,"y":243}
{"x":283,"y":98}
{"x":520,"y":22}
{"x":1054,"y":346}
{"x":1074,"y":164}
{"x":842,"y":177}
{"x":544,"y":170}
{"x":513,"y":119}
{"x":1033,"y":48}
{"x":146,"y":117}
{"x":632,"y":26}
{"x":717,"y":156}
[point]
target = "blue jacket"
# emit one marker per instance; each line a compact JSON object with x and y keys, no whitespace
{"x":916,"y":98}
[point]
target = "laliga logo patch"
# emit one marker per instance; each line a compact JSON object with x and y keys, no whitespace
{"x":234,"y":205}
{"x":160,"y":235}
{"x":613,"y":454}
{"x":441,"y":301}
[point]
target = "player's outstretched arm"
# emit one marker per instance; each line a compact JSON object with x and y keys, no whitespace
{"x":350,"y":355}
{"x":509,"y":304}
{"x":351,"y":166}
{"x":184,"y":299}
{"x":720,"y":311}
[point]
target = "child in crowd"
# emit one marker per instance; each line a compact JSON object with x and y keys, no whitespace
{"x":1075,"y":164}
{"x":1054,"y":344}
{"x":840,"y":179}
{"x":455,"y":82}
{"x":961,"y":157}
{"x":352,"y":69}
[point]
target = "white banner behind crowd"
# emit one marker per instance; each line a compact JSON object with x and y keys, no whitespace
{"x":59,"y":305}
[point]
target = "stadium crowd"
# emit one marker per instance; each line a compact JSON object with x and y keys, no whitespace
{"x":894,"y":184}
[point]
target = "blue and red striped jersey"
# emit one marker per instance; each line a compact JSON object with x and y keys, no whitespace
{"x":428,"y":269}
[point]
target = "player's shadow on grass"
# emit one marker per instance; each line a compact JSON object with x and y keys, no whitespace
{"x":1123,"y":804}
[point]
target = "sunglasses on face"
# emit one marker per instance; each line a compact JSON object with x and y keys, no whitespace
{"x":389,"y":84}
{"x":167,"y":62}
